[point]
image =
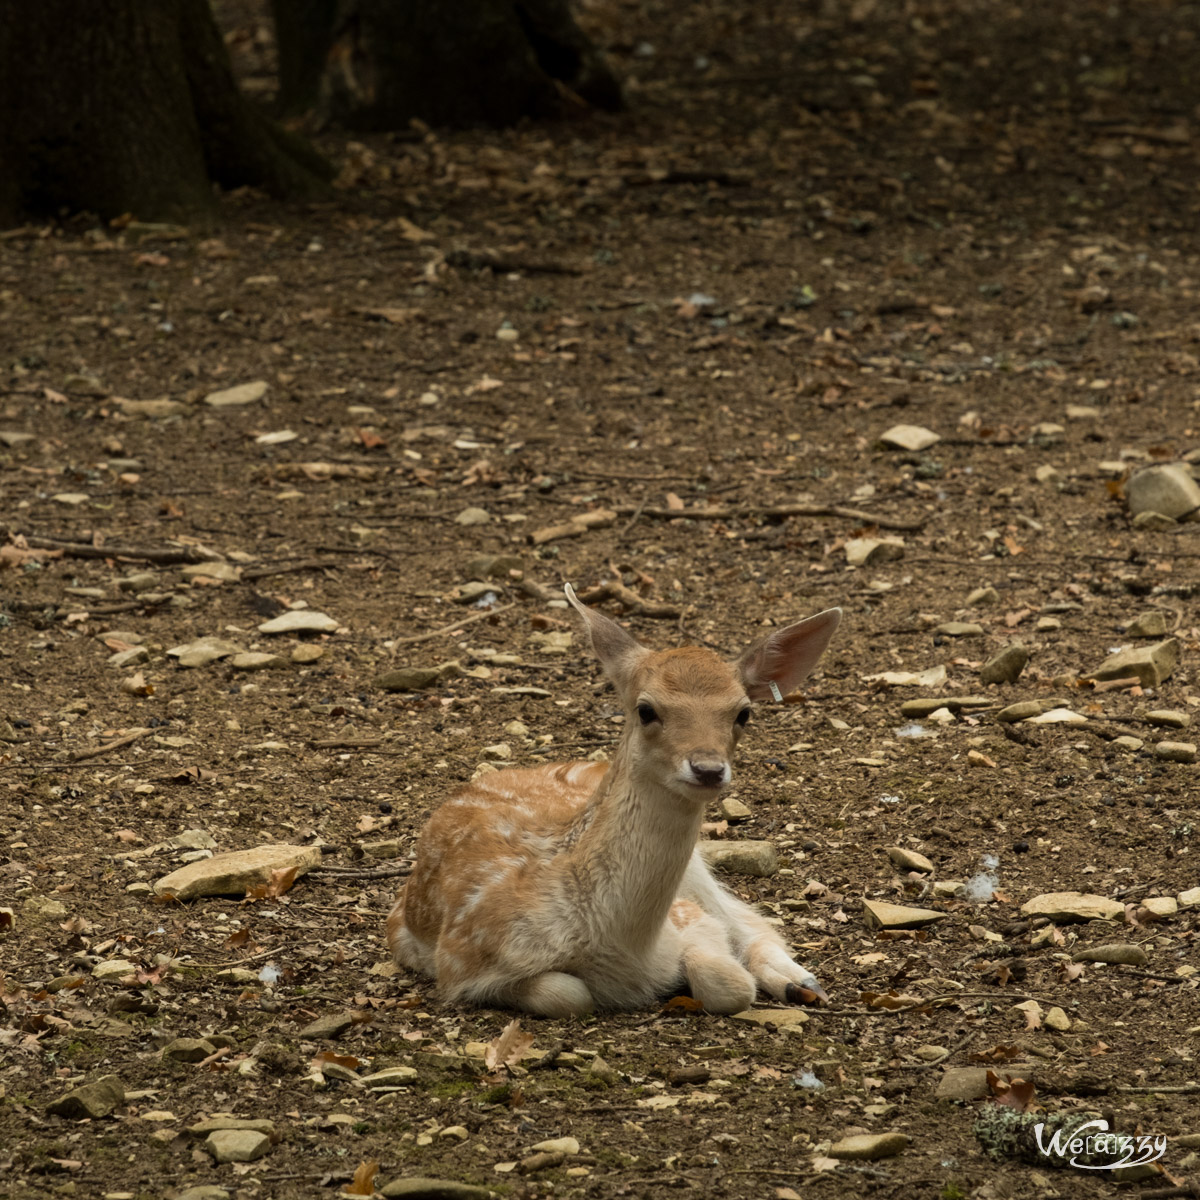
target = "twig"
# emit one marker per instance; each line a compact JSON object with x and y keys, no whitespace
{"x":937,"y":1062}
{"x":96,"y":751}
{"x":637,"y":512}
{"x":339,"y":873}
{"x":346,"y":744}
{"x":729,"y":512}
{"x":309,"y":564}
{"x":145,"y":553}
{"x":613,"y":590}
{"x":433,"y":633}
{"x":1174,"y":1090}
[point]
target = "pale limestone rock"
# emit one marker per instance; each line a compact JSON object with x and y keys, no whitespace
{"x":235,"y":397}
{"x":1006,"y":665}
{"x":1149,"y":665}
{"x":299,"y":620}
{"x":1166,"y":488}
{"x":1180,"y":752}
{"x":91,"y":1100}
{"x":878,"y":914}
{"x":237,"y":1145}
{"x":741,"y":858}
{"x":1073,"y":906}
{"x":237,"y":873}
{"x":869,"y":1146}
{"x":913,"y":438}
{"x":909,"y":860}
{"x":203,"y":651}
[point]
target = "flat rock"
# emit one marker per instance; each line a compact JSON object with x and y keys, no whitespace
{"x":389,"y":1077}
{"x":878,"y":914}
{"x":862,"y":552}
{"x":188,"y":1050}
{"x":307,"y":652}
{"x":869,"y":1146}
{"x":235,"y":397}
{"x":1154,"y":522}
{"x":237,"y":1145}
{"x":1161,"y":906}
{"x":741,"y":858}
{"x":781,"y":1018}
{"x":214,"y":1124}
{"x":257,"y":660}
{"x":1167,"y":488}
{"x":1149,"y":665}
{"x":909,"y":437}
{"x":11,"y":438}
{"x":925,"y":708}
{"x":113,"y":966}
{"x":1058,"y":716}
{"x":473,"y":516}
{"x":1152,"y":624}
{"x":1005,"y":666}
{"x":237,"y":873}
{"x":225,"y":572}
{"x":562,"y":1145}
{"x":91,"y":1100}
{"x":328,"y":1027}
{"x":1181,"y":752}
{"x":1190,"y":898}
{"x":1057,"y":1020}
{"x":1170,"y":718}
{"x":414,"y":679}
{"x":1128,"y":742}
{"x":418,"y":1187}
{"x":982,"y":596}
{"x":203,"y":651}
{"x":909,"y":860}
{"x":1124,"y":953}
{"x":477,"y":592}
{"x":963,"y":1083}
{"x":299,"y":620}
{"x":152,"y":409}
{"x":957,"y":629}
{"x":1073,"y":906}
{"x":733,"y":810}
{"x":1022,"y":710}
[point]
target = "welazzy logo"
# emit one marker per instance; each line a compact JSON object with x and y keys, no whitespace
{"x":1102,"y":1150}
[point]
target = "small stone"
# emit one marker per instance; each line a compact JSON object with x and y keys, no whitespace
{"x":913,"y":438}
{"x":237,"y":1145}
{"x":516,"y":729}
{"x":225,"y":572}
{"x":1057,"y":1020}
{"x":215,"y":1124}
{"x":497,"y":752}
{"x":1181,"y":752}
{"x":909,"y":860}
{"x":234,"y":397}
{"x":237,"y":873}
{"x":982,"y":596}
{"x":957,"y":629}
{"x":130,"y":657}
{"x":862,"y":552}
{"x":1058,"y":716}
{"x":1166,"y":488}
{"x":878,"y":914}
{"x":188,"y":1050}
{"x":734,"y":811}
{"x":600,"y":1070}
{"x":1128,"y":742}
{"x":1152,"y":624}
{"x":781,"y":1018}
{"x":140,"y":581}
{"x":91,"y":1100}
{"x":457,"y":1133}
{"x":963,"y":1083}
{"x":1022,"y":710}
{"x":257,"y":660}
{"x":741,"y":858}
{"x":869,"y":1146}
{"x":562,"y":1145}
{"x":1048,"y":475}
{"x":408,"y":679}
{"x":299,"y":620}
{"x":113,"y":967}
{"x":152,"y":409}
{"x":1073,"y":906}
{"x":203,"y":651}
{"x":73,"y":500}
{"x":328,"y":1027}
{"x":387,"y":848}
{"x":389,"y":1077}
{"x":473,"y":516}
{"x":1006,"y":665}
{"x":203,"y":1191}
{"x":43,"y":906}
{"x":1161,"y":906}
{"x":1048,"y":624}
{"x":1171,"y":718}
{"x":976,"y":758}
{"x":420,"y":1188}
{"x":1124,"y":953}
{"x":1154,"y":522}
{"x":947,"y":889}
{"x":1190,"y":898}
{"x":494,"y":566}
{"x":307,"y":652}
{"x":1149,"y":665}
{"x":925,"y":708}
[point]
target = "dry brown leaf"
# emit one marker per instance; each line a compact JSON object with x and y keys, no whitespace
{"x":342,"y":1060}
{"x":509,"y":1048}
{"x":1017,"y":1093}
{"x":682,"y":1004}
{"x":364,"y":1180}
{"x":370,"y":439}
{"x":996,"y":1054}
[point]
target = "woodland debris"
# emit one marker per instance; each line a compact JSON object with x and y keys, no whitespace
{"x":741,"y":858}
{"x":733,"y":810}
{"x":781,"y":1018}
{"x":598,"y":518}
{"x":214,"y":569}
{"x":613,"y":589}
{"x":924,"y":707}
{"x":257,"y":660}
{"x":1057,"y":716}
{"x":418,"y":1187}
{"x":958,"y":629}
{"x":1150,"y":665}
{"x":237,"y":1145}
{"x":188,"y":1050}
{"x":203,"y":651}
{"x":720,"y":512}
{"x":1073,"y":906}
{"x":1170,"y":718}
{"x":237,"y":873}
{"x":864,"y":552}
{"x":235,"y":397}
{"x":1160,"y":906}
{"x":1022,"y":710}
{"x":1152,"y":624}
{"x":983,"y":596}
{"x":213,"y":1124}
{"x":878,"y":914}
{"x":415,"y":679}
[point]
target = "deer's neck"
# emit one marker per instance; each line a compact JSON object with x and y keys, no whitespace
{"x":632,"y":846}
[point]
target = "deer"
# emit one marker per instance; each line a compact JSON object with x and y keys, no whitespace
{"x":566,"y":888}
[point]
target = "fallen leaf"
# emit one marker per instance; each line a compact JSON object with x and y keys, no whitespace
{"x":509,"y":1048}
{"x":682,"y":1003}
{"x":364,"y":1180}
{"x":1017,"y":1093}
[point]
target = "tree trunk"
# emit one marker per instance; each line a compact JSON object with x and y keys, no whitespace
{"x":303,"y":31}
{"x":130,"y":107}
{"x":469,"y":62}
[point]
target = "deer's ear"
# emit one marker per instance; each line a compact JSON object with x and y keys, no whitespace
{"x":618,"y":652}
{"x":785,"y":657}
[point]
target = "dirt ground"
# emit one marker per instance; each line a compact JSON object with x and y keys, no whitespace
{"x":814,"y":223}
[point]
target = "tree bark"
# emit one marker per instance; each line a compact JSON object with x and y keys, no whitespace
{"x":465,"y":63}
{"x":131,"y":107}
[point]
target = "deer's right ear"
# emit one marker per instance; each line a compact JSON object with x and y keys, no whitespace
{"x":781,"y":661}
{"x":618,"y":652}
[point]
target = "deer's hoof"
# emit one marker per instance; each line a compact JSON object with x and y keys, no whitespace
{"x":799,"y":994}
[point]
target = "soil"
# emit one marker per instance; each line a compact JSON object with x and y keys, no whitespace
{"x":812,"y":224}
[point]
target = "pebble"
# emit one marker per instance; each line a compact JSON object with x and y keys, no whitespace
{"x":307,"y":652}
{"x":494,"y":566}
{"x":1181,"y":752}
{"x":1058,"y":716}
{"x":225,"y":572}
{"x":389,"y":1077}
{"x":600,"y":1070}
{"x":234,"y":397}
{"x":142,"y":581}
{"x":963,"y":1083}
{"x":299,"y":620}
{"x":237,"y":1145}
{"x":203,"y":1191}
{"x":1057,"y":1020}
{"x":91,"y":1100}
{"x":1022,"y":710}
{"x":976,"y":758}
{"x":497,"y":752}
{"x":1154,"y":522}
{"x":1048,"y":475}
{"x":1190,"y":898}
{"x":1128,"y":742}
{"x":1150,"y":665}
{"x":913,"y":438}
{"x":733,"y":810}
{"x":203,"y":651}
{"x":781,"y":1018}
{"x":237,"y":873}
{"x":1172,"y":718}
{"x":214,"y":1124}
{"x":878,"y":914}
{"x":328,"y":1027}
{"x":863,"y":552}
{"x":957,"y":629}
{"x":114,"y":966}
{"x":1124,"y":953}
{"x":1073,"y":906}
{"x":1006,"y":665}
{"x":1166,"y":488}
{"x":188,"y":1050}
{"x":869,"y":1146}
{"x":387,"y":848}
{"x":562,"y":1145}
{"x":982,"y":596}
{"x":741,"y":858}
{"x":473,"y":516}
{"x":909,"y":860}
{"x":1048,"y":624}
{"x":1161,"y":906}
{"x":1151,"y":624}
{"x":257,"y":660}
{"x":409,"y":679}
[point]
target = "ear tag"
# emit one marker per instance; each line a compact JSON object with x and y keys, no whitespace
{"x":775,"y":692}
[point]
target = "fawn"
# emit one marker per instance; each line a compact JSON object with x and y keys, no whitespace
{"x":567,"y":887}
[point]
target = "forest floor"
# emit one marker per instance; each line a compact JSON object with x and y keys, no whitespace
{"x":814,"y":223}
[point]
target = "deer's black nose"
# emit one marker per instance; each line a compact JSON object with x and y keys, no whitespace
{"x":708,"y":772}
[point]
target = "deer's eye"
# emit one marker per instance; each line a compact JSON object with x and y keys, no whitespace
{"x":646,"y":713}
{"x":743,"y":716}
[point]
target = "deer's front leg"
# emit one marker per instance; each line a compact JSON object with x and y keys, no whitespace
{"x":713,"y":973}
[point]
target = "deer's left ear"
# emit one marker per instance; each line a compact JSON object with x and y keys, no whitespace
{"x":784,"y":658}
